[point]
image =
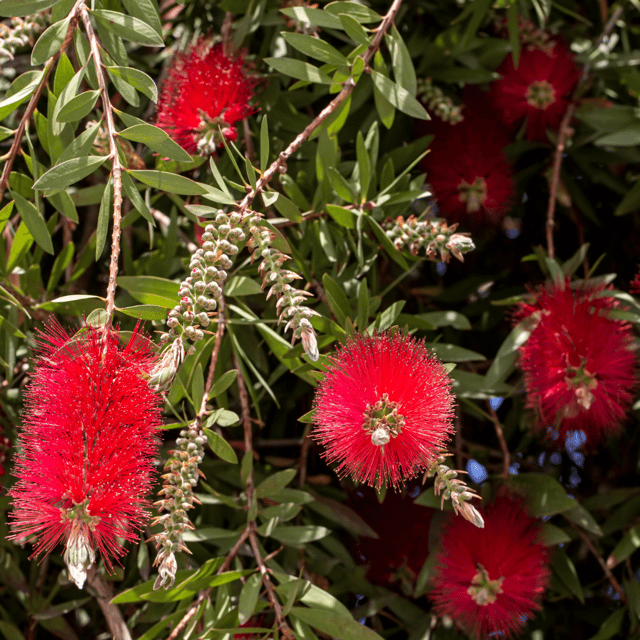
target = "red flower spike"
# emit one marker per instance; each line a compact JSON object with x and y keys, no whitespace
{"x":491,"y":580}
{"x":205,"y":94}
{"x":384,"y":409}
{"x":578,"y":363}
{"x":467,"y":170}
{"x":539,"y":89}
{"x":87,"y":446}
{"x":634,"y":288}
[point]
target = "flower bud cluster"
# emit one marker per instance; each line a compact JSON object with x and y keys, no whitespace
{"x":454,"y":489}
{"x":436,"y":237}
{"x":199,"y":294}
{"x":438,"y":103}
{"x":180,"y":478}
{"x":289,"y":306}
{"x":19,"y":33}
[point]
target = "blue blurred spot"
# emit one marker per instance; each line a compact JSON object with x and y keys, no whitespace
{"x":553,"y":434}
{"x":415,"y":492}
{"x":574,"y":478}
{"x":555,"y":458}
{"x":575,"y":439}
{"x":360,"y":494}
{"x":362,"y":621}
{"x":513,"y":469}
{"x":525,"y":197}
{"x":359,"y":598}
{"x":495,"y":402}
{"x":363,"y":558}
{"x":512,"y":233}
{"x":541,"y":458}
{"x":477,"y":472}
{"x":441,"y":268}
{"x":577,"y":458}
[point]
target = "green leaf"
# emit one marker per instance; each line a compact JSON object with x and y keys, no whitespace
{"x":21,"y":243}
{"x":133,"y":194}
{"x":66,"y":173}
{"x":35,"y":222}
{"x":344,"y":217}
{"x":340,"y":185}
{"x":446,"y":319}
{"x":299,"y":535}
{"x":221,"y":447}
{"x":398,"y":96}
{"x":611,"y":626}
{"x":582,"y":517}
{"x":49,"y":42}
{"x":264,"y":143}
{"x":241,"y":286}
{"x":335,"y":625}
{"x":104,"y":215}
{"x":358,"y":11}
{"x":288,"y":208}
{"x":197,"y":386}
{"x":545,"y":495}
{"x":68,"y":93}
{"x":403,"y":70}
{"x":129,"y":27}
{"x":5,"y":214}
{"x":355,"y":31}
{"x":82,"y":144}
{"x":249,"y":597}
{"x":628,"y":544}
{"x":364,"y":166}
{"x":223,"y":383}
{"x":275,"y":482}
{"x":316,"y":17}
{"x":550,"y":535}
{"x":157,"y":140}
{"x":137,"y":79}
{"x":151,"y":290}
{"x":170,"y":182}
{"x":11,"y":329}
{"x":12,"y":102}
{"x":299,"y":70}
{"x":337,"y":299}
{"x":565,"y":570}
{"x":147,"y":11}
{"x":387,"y":245}
{"x":77,"y":304}
{"x":145,"y":311}
{"x":342,"y":514}
{"x":315,"y":48}
{"x":11,"y":8}
{"x":78,"y":107}
{"x":454,"y":353}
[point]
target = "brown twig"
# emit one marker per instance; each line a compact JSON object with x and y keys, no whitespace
{"x":116,"y":167}
{"x":104,"y":594}
{"x":506,"y":456}
{"x":612,"y":579}
{"x":563,"y":132}
{"x":17,"y":140}
{"x":347,"y":88}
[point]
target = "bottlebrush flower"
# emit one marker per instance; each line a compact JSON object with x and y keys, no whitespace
{"x":384,"y":409}
{"x":467,"y":170}
{"x":579,"y":369}
{"x":206,"y":92}
{"x":491,"y":580}
{"x":389,"y":561}
{"x":635,"y":284}
{"x":87,"y":446}
{"x":539,"y":89}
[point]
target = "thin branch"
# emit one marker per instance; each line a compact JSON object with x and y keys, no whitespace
{"x":612,"y":579}
{"x":104,"y":594}
{"x":564,"y":131}
{"x":17,"y":140}
{"x":116,"y":167}
{"x":506,"y":457}
{"x":347,"y":88}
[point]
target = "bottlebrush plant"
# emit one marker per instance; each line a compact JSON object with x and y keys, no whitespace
{"x":319,"y":320}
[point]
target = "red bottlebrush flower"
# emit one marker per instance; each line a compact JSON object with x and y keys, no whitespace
{"x":491,"y":580}
{"x":635,"y":284}
{"x":539,"y":89}
{"x":87,"y":446}
{"x":206,"y":92}
{"x":467,"y":170}
{"x":384,"y":409}
{"x":389,"y":559}
{"x":578,"y":365}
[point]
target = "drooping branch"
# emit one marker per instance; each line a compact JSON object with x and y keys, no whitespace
{"x":116,"y":166}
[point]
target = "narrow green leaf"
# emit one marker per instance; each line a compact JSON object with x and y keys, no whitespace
{"x":147,"y":11}
{"x":398,"y":96}
{"x":288,"y":208}
{"x":242,"y":286}
{"x":69,"y":92}
{"x":157,"y":140}
{"x":299,"y":535}
{"x":145,"y":311}
{"x":628,"y":544}
{"x":35,"y":222}
{"x":5,"y":214}
{"x":337,"y":299}
{"x":340,"y":185}
{"x":61,"y":262}
{"x":49,"y":42}
{"x":264,"y":143}
{"x":344,"y":217}
{"x":68,"y":172}
{"x":104,"y":215}
{"x":249,"y":597}
{"x":221,"y":447}
{"x":315,"y":48}
{"x":514,"y":33}
{"x":21,"y":243}
{"x":151,"y":290}
{"x":223,"y":383}
{"x":82,"y":144}
{"x":387,"y":245}
{"x":12,"y":102}
{"x":564,"y":568}
{"x":137,"y":201}
{"x":359,"y":12}
{"x":403,"y":70}
{"x":129,"y":27}
{"x":197,"y":386}
{"x":335,"y":625}
{"x":546,"y":496}
{"x":611,"y":626}
{"x":364,"y":166}
{"x":137,"y":79}
{"x":354,"y":29}
{"x":11,"y":8}
{"x":316,"y":17}
{"x":170,"y":182}
{"x":275,"y":482}
{"x":78,"y":107}
{"x":299,"y":70}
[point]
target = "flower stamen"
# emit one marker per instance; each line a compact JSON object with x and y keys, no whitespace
{"x":474,"y":194}
{"x":582,"y":382}
{"x":540,"y":94}
{"x":483,"y":590}
{"x":383,"y":421}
